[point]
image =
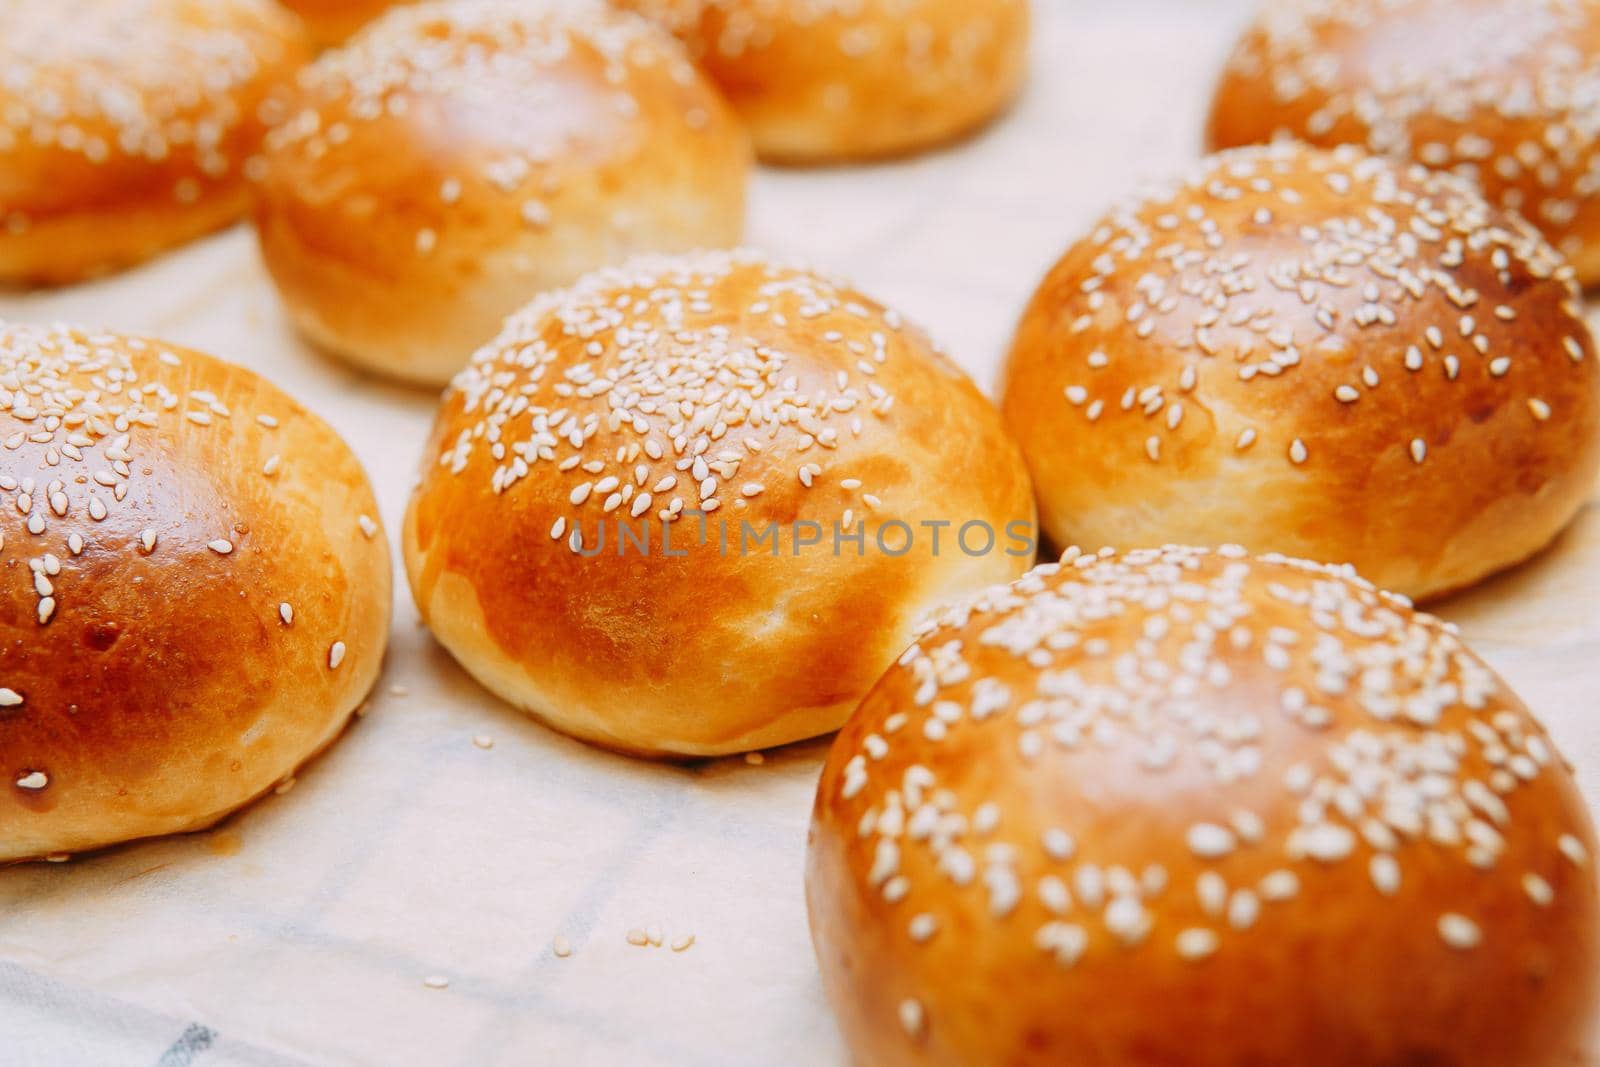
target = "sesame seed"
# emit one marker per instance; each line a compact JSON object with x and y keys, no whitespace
{"x":1385,"y":873}
{"x":1539,"y":409}
{"x":912,"y":1019}
{"x":33,"y":780}
{"x":561,"y":947}
{"x":436,"y":981}
{"x":221,"y":546}
{"x":1419,"y":450}
{"x":335,"y":655}
{"x":1539,"y":891}
{"x":483,"y":741}
{"x":286,"y":613}
{"x":1196,"y":943}
{"x":9,"y":698}
{"x":1297,"y":451}
{"x":682,"y":943}
{"x":1573,"y":849}
{"x":1210,"y":841}
{"x":1459,"y":932}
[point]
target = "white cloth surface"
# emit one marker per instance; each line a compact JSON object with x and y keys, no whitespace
{"x":302,"y":930}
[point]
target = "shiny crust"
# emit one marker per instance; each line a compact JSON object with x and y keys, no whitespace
{"x":1188,"y":808}
{"x":821,"y":81}
{"x":101,"y":186}
{"x":152,"y":680}
{"x":1496,"y":91}
{"x":455,"y":159}
{"x":332,"y":22}
{"x":701,"y":654}
{"x":1349,"y":361}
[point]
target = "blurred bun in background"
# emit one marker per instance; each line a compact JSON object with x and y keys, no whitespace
{"x":1500,"y":91}
{"x":820,"y":81}
{"x":331,"y":22}
{"x":455,"y":159}
{"x":128,"y":127}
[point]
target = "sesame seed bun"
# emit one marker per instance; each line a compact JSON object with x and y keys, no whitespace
{"x":821,"y":81}
{"x":126,"y":126}
{"x":331,"y":22}
{"x":1183,"y":807}
{"x":196,"y":590}
{"x":457,"y":158}
{"x":1319,"y":353}
{"x":1498,"y":91}
{"x":718,"y":383}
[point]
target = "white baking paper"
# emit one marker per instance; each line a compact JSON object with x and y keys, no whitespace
{"x":305,"y":929}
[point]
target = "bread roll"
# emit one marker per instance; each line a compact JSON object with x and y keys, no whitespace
{"x":196,"y":590}
{"x":821,"y":81}
{"x":1190,"y":809}
{"x":127,"y":126}
{"x":457,"y":158}
{"x":634,"y":514}
{"x":333,"y":21}
{"x":1320,"y":353}
{"x":1501,"y":91}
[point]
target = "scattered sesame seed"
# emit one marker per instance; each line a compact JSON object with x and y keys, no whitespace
{"x":1459,"y":932}
{"x":1196,"y":943}
{"x":912,"y":1019}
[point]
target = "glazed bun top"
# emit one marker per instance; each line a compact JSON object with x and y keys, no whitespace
{"x":1258,"y":796}
{"x":1351,"y":348}
{"x":195,"y":591}
{"x":160,"y":94}
{"x":1501,"y":91}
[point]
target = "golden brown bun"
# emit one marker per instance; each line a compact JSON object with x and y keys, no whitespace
{"x":821,"y":81}
{"x":1319,"y":353}
{"x":1184,"y":809}
{"x":333,"y":21}
{"x":456,"y":159}
{"x":722,"y":382}
{"x":1500,"y":91}
{"x":196,"y":589}
{"x":127,"y":126}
